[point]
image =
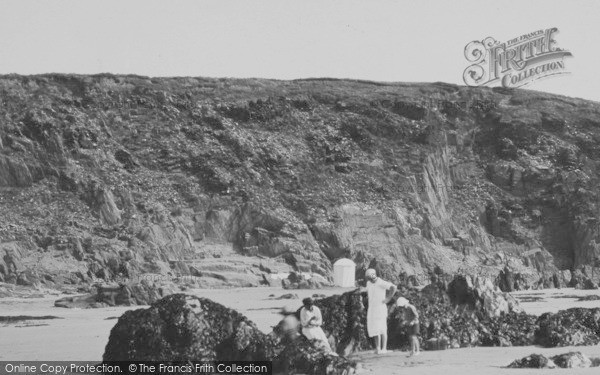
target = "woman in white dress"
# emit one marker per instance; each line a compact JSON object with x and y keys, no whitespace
{"x":379,"y":294}
{"x":311,"y":320}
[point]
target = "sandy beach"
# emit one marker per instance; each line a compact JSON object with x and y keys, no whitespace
{"x":81,"y":334}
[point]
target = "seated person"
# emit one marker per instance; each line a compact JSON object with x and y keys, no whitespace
{"x":311,"y":320}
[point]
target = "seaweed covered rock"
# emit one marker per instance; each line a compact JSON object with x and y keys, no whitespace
{"x":181,"y":328}
{"x":566,"y":360}
{"x":576,"y":326}
{"x":533,"y":361}
{"x":460,"y":325}
{"x":458,"y":317}
{"x":187,"y":328}
{"x":513,"y":329}
{"x":302,"y":357}
{"x":344,"y":318}
{"x":572,"y":360}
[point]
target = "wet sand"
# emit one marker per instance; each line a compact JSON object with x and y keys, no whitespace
{"x":466,"y":361}
{"x":83,"y":333}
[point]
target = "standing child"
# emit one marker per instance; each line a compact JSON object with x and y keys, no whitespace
{"x":412,"y":317}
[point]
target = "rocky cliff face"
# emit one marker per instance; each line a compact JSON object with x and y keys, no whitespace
{"x":106,"y":177}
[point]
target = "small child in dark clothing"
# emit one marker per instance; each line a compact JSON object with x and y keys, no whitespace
{"x":412,"y":316}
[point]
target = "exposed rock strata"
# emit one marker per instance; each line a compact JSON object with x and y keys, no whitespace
{"x":108,"y":177}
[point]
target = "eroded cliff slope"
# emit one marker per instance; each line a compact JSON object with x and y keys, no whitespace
{"x":106,"y":177}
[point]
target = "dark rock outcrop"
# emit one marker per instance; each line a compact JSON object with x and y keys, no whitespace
{"x":533,"y":361}
{"x":344,"y":318}
{"x":181,"y":328}
{"x":443,"y":324}
{"x":576,"y":326}
{"x":186,"y":328}
{"x":572,"y":360}
{"x":566,"y":360}
{"x":509,"y":281}
{"x":581,"y":280}
{"x":448,"y":320}
{"x":481,"y":294}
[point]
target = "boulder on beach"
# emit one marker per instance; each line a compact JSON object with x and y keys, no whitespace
{"x":576,"y":326}
{"x":572,"y":360}
{"x":181,"y":327}
{"x":565,"y":360}
{"x":518,"y":329}
{"x":533,"y":361}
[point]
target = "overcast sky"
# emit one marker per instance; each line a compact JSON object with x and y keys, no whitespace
{"x":409,"y":41}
